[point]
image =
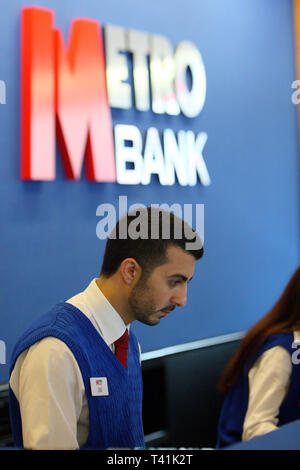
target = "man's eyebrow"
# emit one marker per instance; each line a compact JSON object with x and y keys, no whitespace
{"x":182,"y":277}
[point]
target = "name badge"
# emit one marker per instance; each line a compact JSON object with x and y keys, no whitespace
{"x":99,"y":386}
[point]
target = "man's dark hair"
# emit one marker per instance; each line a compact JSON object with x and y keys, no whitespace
{"x":145,"y":236}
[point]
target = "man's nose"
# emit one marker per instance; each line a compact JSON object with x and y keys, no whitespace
{"x":179,"y":298}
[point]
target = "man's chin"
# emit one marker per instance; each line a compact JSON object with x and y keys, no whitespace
{"x":152,"y":320}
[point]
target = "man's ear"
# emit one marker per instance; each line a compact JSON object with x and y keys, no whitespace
{"x":130,"y":271}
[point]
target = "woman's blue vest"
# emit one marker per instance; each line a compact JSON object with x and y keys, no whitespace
{"x":235,"y":405}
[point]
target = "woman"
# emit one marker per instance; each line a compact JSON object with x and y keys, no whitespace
{"x":262,"y":380}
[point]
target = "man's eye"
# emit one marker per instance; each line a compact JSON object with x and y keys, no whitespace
{"x":174,"y":283}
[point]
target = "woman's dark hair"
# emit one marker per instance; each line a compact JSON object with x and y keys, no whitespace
{"x":145,"y":236}
{"x":284,"y":317}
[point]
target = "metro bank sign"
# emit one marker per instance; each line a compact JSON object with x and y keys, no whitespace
{"x":67,"y":93}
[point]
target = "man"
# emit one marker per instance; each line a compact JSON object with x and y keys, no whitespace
{"x":75,"y":376}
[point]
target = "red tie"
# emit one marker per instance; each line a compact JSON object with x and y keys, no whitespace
{"x":121,"y":348}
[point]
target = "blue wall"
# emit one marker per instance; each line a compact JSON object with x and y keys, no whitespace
{"x":49,"y":248}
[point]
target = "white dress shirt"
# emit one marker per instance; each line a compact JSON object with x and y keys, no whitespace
{"x":269,"y":381}
{"x":48,"y":384}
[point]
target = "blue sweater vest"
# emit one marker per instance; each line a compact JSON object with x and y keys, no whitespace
{"x":115,"y":419}
{"x":235,"y":405}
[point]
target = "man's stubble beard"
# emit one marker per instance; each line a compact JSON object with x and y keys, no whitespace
{"x":140,"y":304}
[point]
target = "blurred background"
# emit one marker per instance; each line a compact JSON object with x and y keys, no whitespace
{"x":49,"y":246}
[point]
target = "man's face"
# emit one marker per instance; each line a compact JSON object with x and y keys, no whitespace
{"x":164,"y":289}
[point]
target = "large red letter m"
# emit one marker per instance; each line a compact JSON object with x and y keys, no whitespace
{"x":64,"y":94}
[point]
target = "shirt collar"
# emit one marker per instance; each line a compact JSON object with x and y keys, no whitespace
{"x":107,"y":318}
